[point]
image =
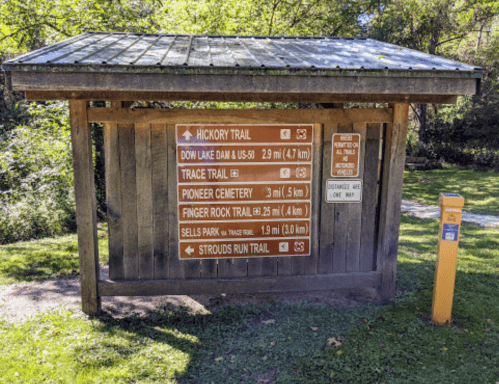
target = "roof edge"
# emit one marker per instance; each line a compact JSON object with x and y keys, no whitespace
{"x":132,"y":82}
{"x":241,"y":71}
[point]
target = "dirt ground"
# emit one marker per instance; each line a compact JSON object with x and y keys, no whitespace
{"x":19,"y":302}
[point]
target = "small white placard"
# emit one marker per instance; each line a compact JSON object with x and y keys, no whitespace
{"x":450,"y":236}
{"x":343,"y":191}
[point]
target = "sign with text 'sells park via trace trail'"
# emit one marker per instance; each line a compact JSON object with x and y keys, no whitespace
{"x":244,"y":190}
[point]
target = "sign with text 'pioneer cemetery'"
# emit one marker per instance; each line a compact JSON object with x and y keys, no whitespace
{"x":244,"y":190}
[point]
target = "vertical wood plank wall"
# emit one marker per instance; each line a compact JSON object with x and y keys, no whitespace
{"x":327,"y":233}
{"x":143,"y":166}
{"x":159,"y":159}
{"x":113,"y":200}
{"x":141,"y":176}
{"x":176,"y":268}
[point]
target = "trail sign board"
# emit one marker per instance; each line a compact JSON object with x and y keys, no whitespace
{"x":244,"y":190}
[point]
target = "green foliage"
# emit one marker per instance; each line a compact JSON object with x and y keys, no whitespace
{"x":430,"y":26}
{"x":267,"y":18}
{"x":467,"y":134}
{"x":234,"y":105}
{"x":467,"y":31}
{"x":29,"y":24}
{"x":36,"y":178}
{"x":13,"y":109}
{"x":12,"y":114}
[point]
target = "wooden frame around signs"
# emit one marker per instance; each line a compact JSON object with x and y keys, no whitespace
{"x":312,"y":276}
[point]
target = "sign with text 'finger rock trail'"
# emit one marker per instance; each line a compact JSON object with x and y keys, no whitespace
{"x":244,"y":190}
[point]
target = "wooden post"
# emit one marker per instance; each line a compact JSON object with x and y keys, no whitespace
{"x":390,"y":199}
{"x":86,"y":213}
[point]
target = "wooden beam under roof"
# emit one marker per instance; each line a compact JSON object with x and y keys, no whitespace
{"x":240,"y":97}
{"x":238,"y":116}
{"x":215,"y":85}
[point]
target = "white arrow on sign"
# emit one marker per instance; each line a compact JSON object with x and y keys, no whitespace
{"x":189,"y":250}
{"x":187,"y":135}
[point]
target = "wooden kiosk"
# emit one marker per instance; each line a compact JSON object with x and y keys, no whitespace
{"x":255,"y":200}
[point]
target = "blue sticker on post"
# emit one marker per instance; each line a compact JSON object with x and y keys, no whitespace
{"x":450,"y":231}
{"x":451,"y":195}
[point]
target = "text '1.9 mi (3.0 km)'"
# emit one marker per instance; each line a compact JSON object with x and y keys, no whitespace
{"x":244,"y":190}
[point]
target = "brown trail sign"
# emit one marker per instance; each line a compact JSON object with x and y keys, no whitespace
{"x":246,"y":157}
{"x":240,"y":201}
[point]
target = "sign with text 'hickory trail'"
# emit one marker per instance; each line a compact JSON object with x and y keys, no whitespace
{"x":244,"y":190}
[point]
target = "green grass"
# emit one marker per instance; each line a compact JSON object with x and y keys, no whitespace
{"x":400,"y":344}
{"x":234,"y":344}
{"x":479,"y":189}
{"x":45,"y":258}
{"x":396,"y":343}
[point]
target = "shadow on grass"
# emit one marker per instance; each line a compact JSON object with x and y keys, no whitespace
{"x":401,"y":344}
{"x":166,"y":338}
{"x":246,"y":344}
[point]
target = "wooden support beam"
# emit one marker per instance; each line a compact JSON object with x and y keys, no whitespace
{"x":391,"y":198}
{"x":240,"y":285}
{"x":86,"y":212}
{"x":241,"y":116}
{"x":205,"y":83}
{"x":327,"y":210}
{"x":240,"y":97}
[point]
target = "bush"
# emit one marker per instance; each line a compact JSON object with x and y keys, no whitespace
{"x":36,"y":176}
{"x":465,"y":134}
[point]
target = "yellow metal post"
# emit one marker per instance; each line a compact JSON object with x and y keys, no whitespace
{"x":451,"y":205}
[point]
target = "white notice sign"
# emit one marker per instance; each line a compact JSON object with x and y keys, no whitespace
{"x":344,"y":191}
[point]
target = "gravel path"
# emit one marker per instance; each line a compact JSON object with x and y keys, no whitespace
{"x":422,"y":211}
{"x":21,"y":301}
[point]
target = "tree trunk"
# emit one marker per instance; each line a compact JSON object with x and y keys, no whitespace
{"x":479,"y":40}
